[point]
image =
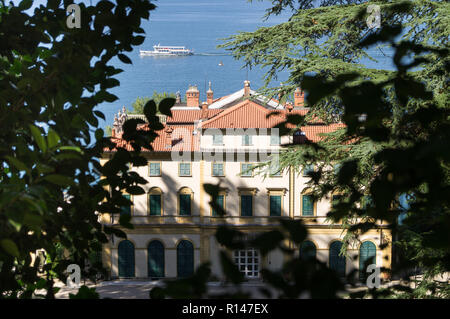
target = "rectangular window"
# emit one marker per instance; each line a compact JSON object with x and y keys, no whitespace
{"x":218,"y":139}
{"x":246,"y":140}
{"x":307,"y":205}
{"x":217,"y":169}
{"x":308,"y":169}
{"x":185,"y":204}
{"x":220,"y":199}
{"x":246,"y":169}
{"x":155,"y":205}
{"x":275,"y":140}
{"x":275,"y":169}
{"x":275,"y":205}
{"x":155,"y":169}
{"x":246,"y":205}
{"x":184,"y":169}
{"x":127,"y":208}
{"x":247,"y":262}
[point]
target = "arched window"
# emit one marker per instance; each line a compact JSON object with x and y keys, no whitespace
{"x":337,"y":262}
{"x":308,"y":204}
{"x":155,"y":259}
{"x":185,"y":259}
{"x":126,"y":259}
{"x":307,"y":250}
{"x":367,"y":256}
{"x":185,"y":196}
{"x":155,"y":202}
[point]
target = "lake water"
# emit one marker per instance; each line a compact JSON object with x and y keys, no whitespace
{"x":198,"y":25}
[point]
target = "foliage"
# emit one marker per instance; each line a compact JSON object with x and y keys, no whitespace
{"x":397,"y":125}
{"x":139,"y":103}
{"x":51,"y":80}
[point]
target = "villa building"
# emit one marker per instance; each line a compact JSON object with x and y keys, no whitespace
{"x":174,"y":224}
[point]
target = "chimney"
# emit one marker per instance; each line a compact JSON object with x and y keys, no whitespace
{"x":289,"y":106}
{"x":204,"y":110}
{"x":299,"y":97}
{"x":192,"y":96}
{"x":113,"y":132}
{"x":246,"y":88}
{"x":209,"y":95}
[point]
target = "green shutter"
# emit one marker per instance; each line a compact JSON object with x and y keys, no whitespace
{"x":219,"y":202}
{"x":185,"y":204}
{"x":185,"y":259}
{"x":126,"y":259}
{"x":275,"y":205}
{"x":155,"y":205}
{"x":307,"y":250}
{"x":308,"y":205}
{"x":155,"y":259}
{"x":308,"y":169}
{"x":246,"y":205}
{"x":126,"y":209}
{"x":367,"y":256}
{"x":337,"y":262}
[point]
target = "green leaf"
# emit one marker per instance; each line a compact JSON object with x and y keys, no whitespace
{"x":124,"y":58}
{"x":52,"y":139}
{"x":165,"y":105}
{"x":10,"y":247}
{"x":18,"y":164}
{"x":60,"y":180}
{"x":36,"y":132}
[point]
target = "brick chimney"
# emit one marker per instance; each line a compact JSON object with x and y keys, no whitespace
{"x":246,"y":88}
{"x":192,"y":96}
{"x":299,"y":97}
{"x":204,"y":110}
{"x":209,"y":95}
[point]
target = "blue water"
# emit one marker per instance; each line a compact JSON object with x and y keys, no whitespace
{"x":198,"y":25}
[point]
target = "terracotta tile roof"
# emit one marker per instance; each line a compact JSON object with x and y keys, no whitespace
{"x":190,"y":116}
{"x":246,"y":114}
{"x":172,"y":137}
{"x":178,"y":132}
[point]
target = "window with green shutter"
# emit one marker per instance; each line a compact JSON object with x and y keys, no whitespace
{"x":218,"y":169}
{"x":308,"y":250}
{"x":126,"y":210}
{"x":217,"y":139}
{"x":185,"y":259}
{"x":246,"y":205}
{"x":246,"y":140}
{"x":275,"y":205}
{"x":308,"y":169}
{"x":246,"y":169}
{"x":219,"y":200}
{"x":337,"y":261}
{"x":275,"y":169}
{"x":155,"y":259}
{"x":185,"y":204}
{"x":307,"y":205}
{"x":155,"y":204}
{"x":367,"y":256}
{"x":185,"y":169}
{"x":275,"y":140}
{"x":155,"y":169}
{"x":126,"y":259}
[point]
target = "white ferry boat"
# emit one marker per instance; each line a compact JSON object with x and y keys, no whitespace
{"x":167,"y":50}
